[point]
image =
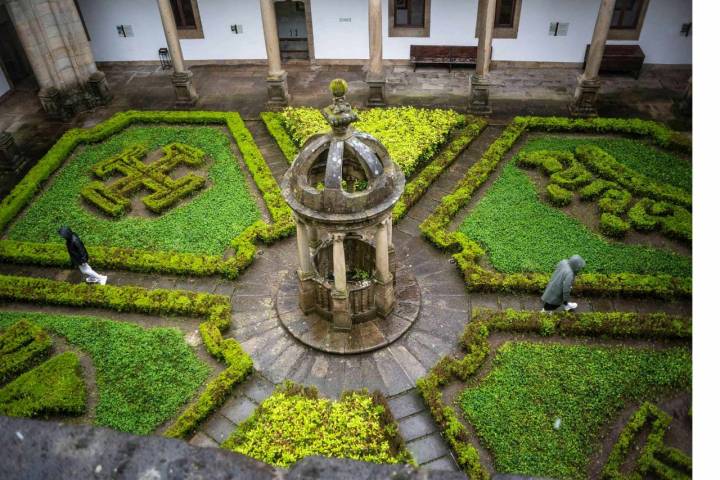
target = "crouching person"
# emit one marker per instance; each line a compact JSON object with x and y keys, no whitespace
{"x":79,"y":256}
{"x":557,"y":292}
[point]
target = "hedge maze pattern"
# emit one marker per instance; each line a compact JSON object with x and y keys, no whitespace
{"x":598,"y":176}
{"x":114,"y":199}
{"x":656,"y":458}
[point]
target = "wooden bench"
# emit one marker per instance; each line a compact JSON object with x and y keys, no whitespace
{"x":443,"y":55}
{"x":620,"y":58}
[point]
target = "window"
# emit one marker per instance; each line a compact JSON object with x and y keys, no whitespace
{"x":187,"y":18}
{"x":409,"y":18}
{"x":507,"y":18}
{"x":627,"y":19}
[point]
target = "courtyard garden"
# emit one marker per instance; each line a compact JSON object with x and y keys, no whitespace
{"x":190,"y":201}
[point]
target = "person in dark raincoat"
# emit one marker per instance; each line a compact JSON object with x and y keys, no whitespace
{"x":79,"y":256}
{"x":557,"y":292}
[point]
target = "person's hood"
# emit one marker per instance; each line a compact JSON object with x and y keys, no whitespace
{"x":65,"y":232}
{"x":576,"y":263}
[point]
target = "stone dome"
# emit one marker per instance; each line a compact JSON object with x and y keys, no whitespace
{"x":343,"y":176}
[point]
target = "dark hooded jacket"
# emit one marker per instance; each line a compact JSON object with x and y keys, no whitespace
{"x":558,"y":289}
{"x":75,"y":247}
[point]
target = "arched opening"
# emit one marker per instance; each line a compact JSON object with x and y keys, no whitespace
{"x":14,"y":65}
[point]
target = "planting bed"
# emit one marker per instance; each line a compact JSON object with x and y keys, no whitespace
{"x":294,"y":423}
{"x":512,"y":239}
{"x":148,"y":191}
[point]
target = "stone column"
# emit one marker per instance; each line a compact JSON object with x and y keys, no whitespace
{"x":376,"y":75}
{"x":185,"y":94}
{"x":278,"y":96}
{"x":586,"y":92}
{"x":340,"y":297}
{"x":59,"y":53}
{"x":313,"y":238}
{"x":384,"y":291}
{"x":305,"y":272}
{"x":479,"y":81}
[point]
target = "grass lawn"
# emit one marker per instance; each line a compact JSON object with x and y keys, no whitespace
{"x":292,"y":424}
{"x":205,"y":224}
{"x":521,"y":233}
{"x":650,"y":161}
{"x":514,"y":408}
{"x":144,"y":375}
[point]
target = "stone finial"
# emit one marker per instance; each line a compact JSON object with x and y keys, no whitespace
{"x":340,"y":114}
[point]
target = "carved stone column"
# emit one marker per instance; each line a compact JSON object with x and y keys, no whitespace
{"x":586,"y":92}
{"x":305,"y":272}
{"x":376,"y":75}
{"x":340,"y":297}
{"x":278,"y":96}
{"x":384,"y":290}
{"x":185,"y":94}
{"x":479,"y":81}
{"x":59,"y":53}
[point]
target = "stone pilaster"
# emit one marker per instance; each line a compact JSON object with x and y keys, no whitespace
{"x":384,"y":286}
{"x":340,"y":298}
{"x":376,"y":75}
{"x":59,"y":53}
{"x":185,"y":94}
{"x":278,"y":95}
{"x":307,"y":292}
{"x":586,"y":94}
{"x":479,"y":103}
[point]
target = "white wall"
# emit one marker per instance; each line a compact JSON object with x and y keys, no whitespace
{"x":102,"y":16}
{"x":340,"y":40}
{"x":452,"y":22}
{"x":4,"y":84}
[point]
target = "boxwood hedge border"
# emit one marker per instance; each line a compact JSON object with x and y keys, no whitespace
{"x":468,"y":254}
{"x":215,"y":310}
{"x":475,"y":346}
{"x":147,"y":260}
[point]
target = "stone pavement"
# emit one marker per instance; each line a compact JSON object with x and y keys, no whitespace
{"x":445,"y":309}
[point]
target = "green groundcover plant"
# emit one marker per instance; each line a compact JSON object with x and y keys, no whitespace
{"x":205,"y":224}
{"x":294,"y":423}
{"x":516,"y":408}
{"x":411,"y":135}
{"x":143,"y":375}
{"x":521,"y":233}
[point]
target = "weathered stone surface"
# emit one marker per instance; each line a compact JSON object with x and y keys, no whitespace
{"x":406,"y":404}
{"x":416,"y":426}
{"x":427,"y":448}
{"x":40,"y":449}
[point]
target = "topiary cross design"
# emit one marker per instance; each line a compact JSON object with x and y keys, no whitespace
{"x":114,"y":199}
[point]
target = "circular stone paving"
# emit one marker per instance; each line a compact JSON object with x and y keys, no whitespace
{"x":317,"y":332}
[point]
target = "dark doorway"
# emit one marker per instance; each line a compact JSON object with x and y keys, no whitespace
{"x":12,"y":56}
{"x":292,"y":30}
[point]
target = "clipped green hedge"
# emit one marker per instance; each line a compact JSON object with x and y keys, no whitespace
{"x":144,"y":260}
{"x":55,"y":387}
{"x":215,"y":309}
{"x":294,"y":423}
{"x":666,"y":462}
{"x":21,"y":346}
{"x":613,"y":226}
{"x":468,"y":254}
{"x":475,"y":347}
{"x":558,"y":196}
{"x":274,"y":124}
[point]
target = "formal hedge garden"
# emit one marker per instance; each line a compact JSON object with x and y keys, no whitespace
{"x":523,"y":237}
{"x":192,"y":222}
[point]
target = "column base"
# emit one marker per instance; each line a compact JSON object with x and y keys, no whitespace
{"x":341,"y":311}
{"x":51,"y":101}
{"x":13,"y":164}
{"x":586,"y":95}
{"x":384,"y":297}
{"x":376,"y":98}
{"x":278,"y":96}
{"x":479,"y":95}
{"x":185,"y":94}
{"x":306,"y":296}
{"x":98,"y":87}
